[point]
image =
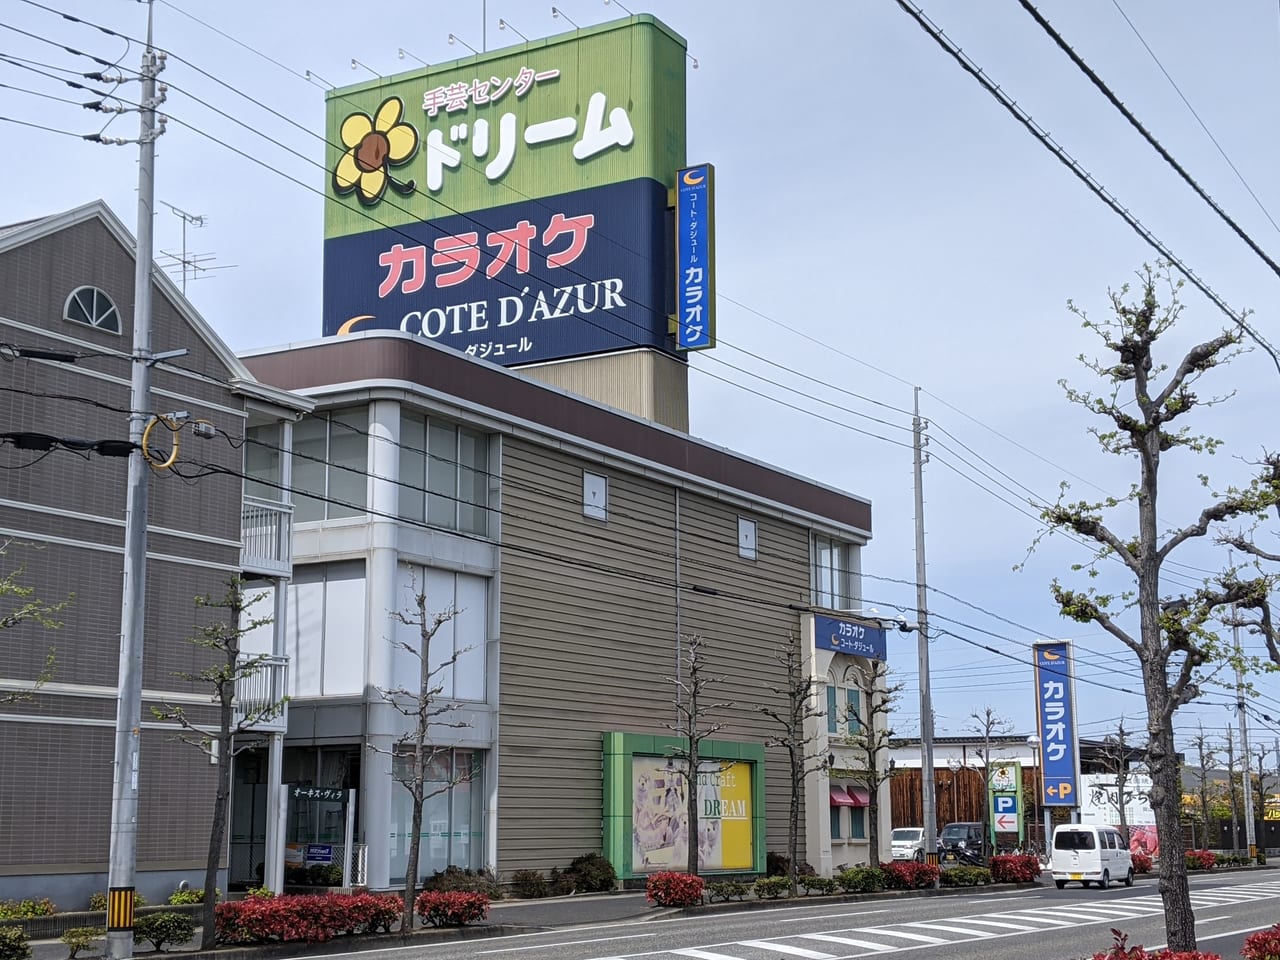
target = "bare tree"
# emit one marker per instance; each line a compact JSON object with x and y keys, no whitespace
{"x":798,"y":692}
{"x":1207,"y":757}
{"x":692,"y":709}
{"x":1115,"y":758}
{"x":986,"y":723}
{"x":228,"y":669}
{"x":1233,"y":792}
{"x":1172,"y":641}
{"x":1262,"y":787}
{"x":425,"y":768}
{"x":873,"y":741}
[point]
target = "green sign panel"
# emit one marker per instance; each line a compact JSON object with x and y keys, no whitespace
{"x":598,"y":106}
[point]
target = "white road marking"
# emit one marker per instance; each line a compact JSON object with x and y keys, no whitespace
{"x":568,"y":943}
{"x":832,"y":916}
{"x":999,"y":923}
{"x":703,"y":954}
{"x":865,"y":944}
{"x":919,"y":937}
{"x":787,"y":949}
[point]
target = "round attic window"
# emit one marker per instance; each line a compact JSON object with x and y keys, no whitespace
{"x":90,"y":306}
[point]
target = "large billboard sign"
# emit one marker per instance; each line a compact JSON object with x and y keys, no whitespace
{"x":514,"y":204}
{"x":660,"y":815}
{"x":1055,"y":717}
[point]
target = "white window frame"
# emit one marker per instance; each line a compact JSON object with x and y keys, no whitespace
{"x":96,"y":318}
{"x":595,"y":495}
{"x":748,"y":541}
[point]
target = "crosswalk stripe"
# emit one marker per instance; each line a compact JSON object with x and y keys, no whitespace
{"x":1061,"y":916}
{"x":788,"y":949}
{"x":832,"y":938}
{"x":935,"y":925}
{"x":918,"y":937}
{"x":703,"y":954}
{"x":1000,"y":923}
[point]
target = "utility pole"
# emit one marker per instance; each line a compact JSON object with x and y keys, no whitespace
{"x":928,"y":798}
{"x":124,"y":794}
{"x":1250,"y":836}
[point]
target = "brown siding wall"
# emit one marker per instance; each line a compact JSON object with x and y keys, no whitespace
{"x":55,"y":792}
{"x":589,"y":638}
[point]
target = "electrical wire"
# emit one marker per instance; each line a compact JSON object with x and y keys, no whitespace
{"x":1083,"y":175}
{"x":1214,"y":140}
{"x":1146,"y":134}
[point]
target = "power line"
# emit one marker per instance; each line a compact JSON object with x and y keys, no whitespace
{"x":1147,"y":135}
{"x":1083,"y":175}
{"x":1208,"y":133}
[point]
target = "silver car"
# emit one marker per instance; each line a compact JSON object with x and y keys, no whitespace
{"x":907,"y":843}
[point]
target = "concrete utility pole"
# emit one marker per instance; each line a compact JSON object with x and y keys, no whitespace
{"x":928,"y":798}
{"x":124,"y":795}
{"x":1249,"y":835}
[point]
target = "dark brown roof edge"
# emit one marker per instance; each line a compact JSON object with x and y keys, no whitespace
{"x":392,"y":356}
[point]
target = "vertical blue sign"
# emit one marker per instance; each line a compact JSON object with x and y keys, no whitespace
{"x":1055,"y":717}
{"x":695,"y":258}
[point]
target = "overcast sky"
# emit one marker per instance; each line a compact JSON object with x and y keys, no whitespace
{"x":883,"y":223}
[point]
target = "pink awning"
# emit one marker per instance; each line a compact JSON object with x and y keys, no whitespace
{"x":861,"y":796}
{"x":841,"y":799}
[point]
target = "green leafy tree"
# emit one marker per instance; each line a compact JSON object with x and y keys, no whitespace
{"x":227,"y":668}
{"x":1142,"y":405}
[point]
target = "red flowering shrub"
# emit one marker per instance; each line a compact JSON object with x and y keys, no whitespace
{"x":307,"y":918}
{"x":1014,"y":868}
{"x":1120,"y":950}
{"x":672,"y":889}
{"x":1263,"y":945}
{"x":451,"y":908}
{"x":1141,"y":862}
{"x":908,"y":875}
{"x":1201,"y":859}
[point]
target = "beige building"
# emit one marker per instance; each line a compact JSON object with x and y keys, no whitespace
{"x":578,"y":544}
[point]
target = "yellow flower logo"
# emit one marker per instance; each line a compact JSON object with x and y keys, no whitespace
{"x":374,"y":145}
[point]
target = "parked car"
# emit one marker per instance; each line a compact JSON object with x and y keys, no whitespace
{"x":1090,"y":854}
{"x":907,"y":843}
{"x":962,"y":843}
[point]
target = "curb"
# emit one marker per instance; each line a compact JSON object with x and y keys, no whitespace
{"x":733,"y":905}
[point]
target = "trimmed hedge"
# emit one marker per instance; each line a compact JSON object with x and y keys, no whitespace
{"x":162,"y":928}
{"x":909,"y":875}
{"x":965,"y":877}
{"x":451,"y":908}
{"x":673,"y":889}
{"x":312,"y":919}
{"x":1015,"y":868}
{"x":13,"y":944}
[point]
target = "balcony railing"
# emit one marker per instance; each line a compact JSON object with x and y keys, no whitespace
{"x":261,"y":692}
{"x":266,"y":532}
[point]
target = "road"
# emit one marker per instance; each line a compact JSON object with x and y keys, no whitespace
{"x":1044,"y":924}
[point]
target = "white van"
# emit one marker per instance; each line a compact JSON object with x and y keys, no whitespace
{"x":1090,"y":854}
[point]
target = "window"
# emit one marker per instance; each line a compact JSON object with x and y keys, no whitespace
{"x":331,"y":464}
{"x":595,"y":496}
{"x":262,"y":463}
{"x":835,"y":573}
{"x":746,"y":538}
{"x":325,"y":628}
{"x":858,"y":823}
{"x":853,"y":710}
{"x":444,"y":474}
{"x":92,"y":307}
{"x":453,"y":816}
{"x":457,"y":650}
{"x":844,"y":706}
{"x":835,"y":823}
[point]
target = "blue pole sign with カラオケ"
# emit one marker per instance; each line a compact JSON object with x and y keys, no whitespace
{"x":849,"y":636}
{"x":695,"y":323}
{"x":1055,"y":716}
